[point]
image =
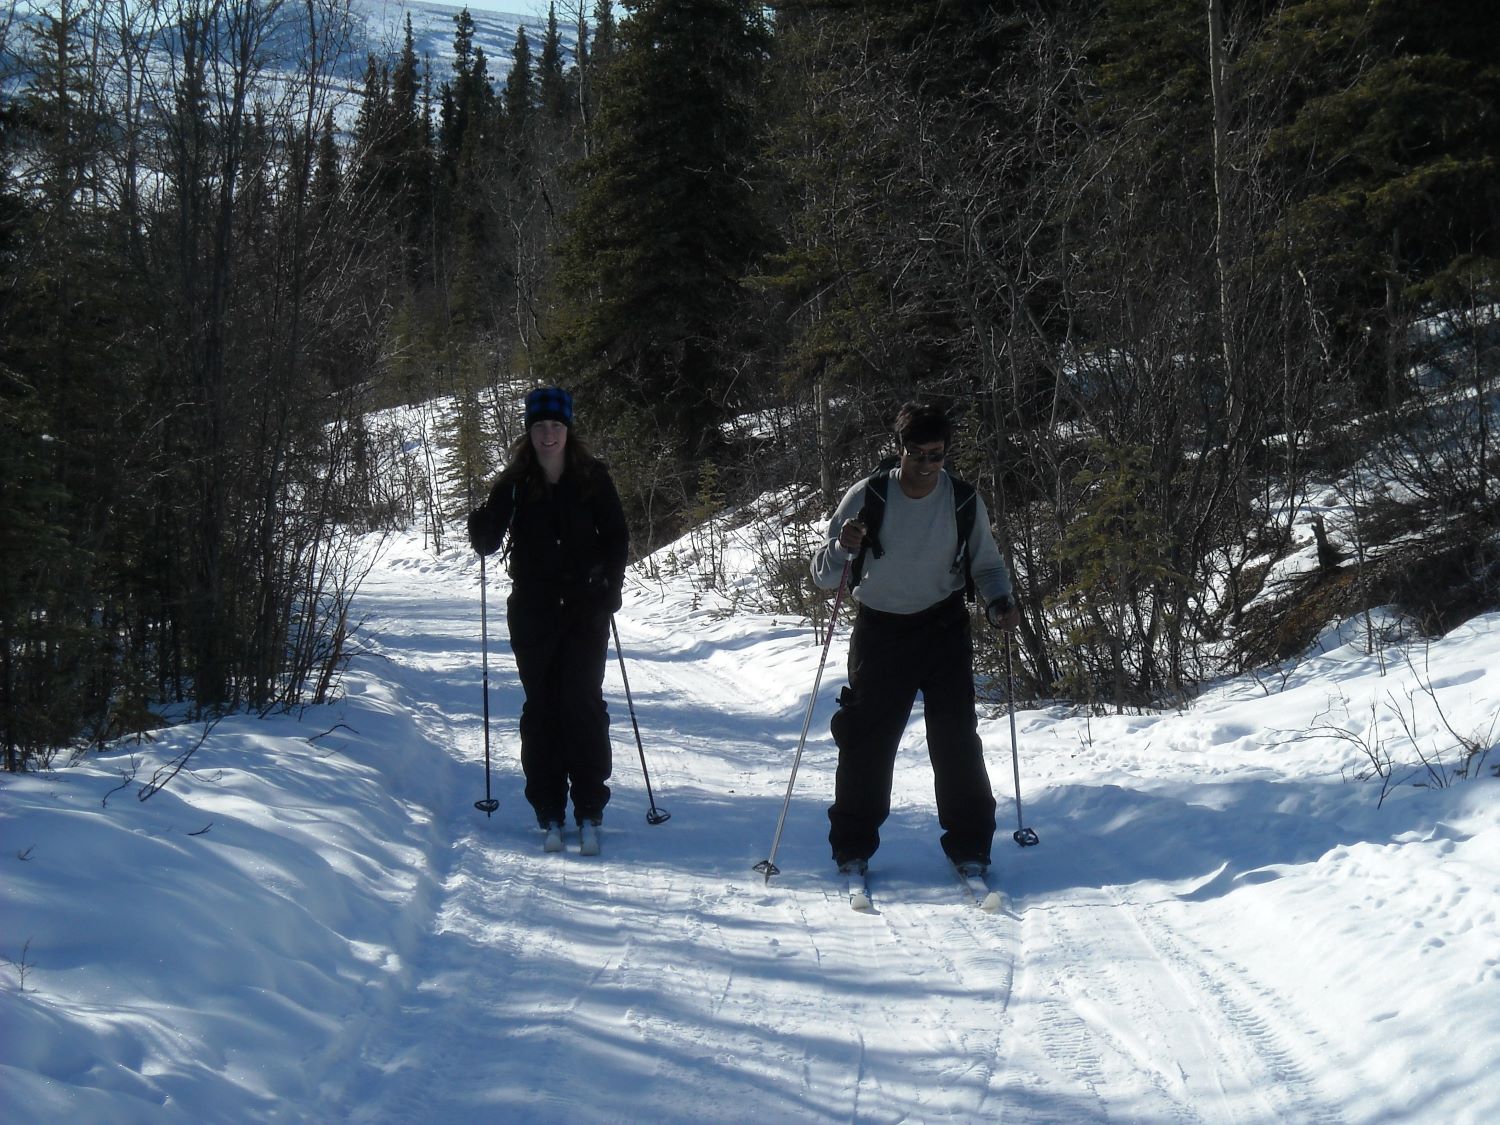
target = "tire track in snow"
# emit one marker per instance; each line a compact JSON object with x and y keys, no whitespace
{"x":1272,"y":1037}
{"x":1118,"y":1017}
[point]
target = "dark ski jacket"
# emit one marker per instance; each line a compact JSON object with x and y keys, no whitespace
{"x":568,"y":541}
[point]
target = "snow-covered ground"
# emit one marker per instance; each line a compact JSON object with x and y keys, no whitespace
{"x":312,"y":922}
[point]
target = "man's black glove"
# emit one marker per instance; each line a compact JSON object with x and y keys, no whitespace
{"x":999,"y":610}
{"x":484,"y":536}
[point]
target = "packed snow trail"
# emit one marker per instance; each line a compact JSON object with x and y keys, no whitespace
{"x":313,"y":923}
{"x":1224,"y":922}
{"x":666,"y":981}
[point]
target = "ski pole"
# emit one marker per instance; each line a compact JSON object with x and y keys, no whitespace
{"x":654,"y":815}
{"x":1022,"y":835}
{"x":489,"y":804}
{"x":767,"y":866}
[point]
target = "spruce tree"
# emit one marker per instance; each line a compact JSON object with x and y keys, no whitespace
{"x":602,"y":46}
{"x":411,"y":153}
{"x":519,"y":89}
{"x":593,"y":60}
{"x":552,"y":86}
{"x":467,"y":175}
{"x":666,"y":222}
{"x":71,"y":404}
{"x":1395,"y":125}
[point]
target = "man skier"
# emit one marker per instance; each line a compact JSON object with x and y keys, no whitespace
{"x":911,"y":634}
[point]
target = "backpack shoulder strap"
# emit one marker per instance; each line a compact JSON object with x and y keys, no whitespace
{"x":871,"y":513}
{"x":965,"y":508}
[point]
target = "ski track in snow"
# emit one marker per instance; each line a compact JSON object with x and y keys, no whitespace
{"x":1138,"y":1024}
{"x":543,"y":979}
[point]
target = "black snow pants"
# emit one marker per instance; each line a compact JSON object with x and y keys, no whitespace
{"x":560,"y":653}
{"x":892,"y":657}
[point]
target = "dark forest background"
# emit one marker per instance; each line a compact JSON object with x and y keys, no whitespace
{"x":1177,"y":265}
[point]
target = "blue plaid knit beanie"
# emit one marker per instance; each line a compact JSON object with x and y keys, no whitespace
{"x":546,"y":404}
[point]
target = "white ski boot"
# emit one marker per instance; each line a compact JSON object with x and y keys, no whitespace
{"x":588,"y":838}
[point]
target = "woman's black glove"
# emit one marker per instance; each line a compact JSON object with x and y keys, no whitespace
{"x":605,"y":588}
{"x":484,"y":535}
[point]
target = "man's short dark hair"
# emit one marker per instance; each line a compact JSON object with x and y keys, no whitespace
{"x":919,"y":423}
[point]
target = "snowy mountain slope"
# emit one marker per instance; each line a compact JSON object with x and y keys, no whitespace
{"x":312,"y":922}
{"x":433,"y":26}
{"x":377,"y":27}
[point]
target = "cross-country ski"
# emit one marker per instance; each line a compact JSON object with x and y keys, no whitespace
{"x":977,"y":885}
{"x":857,"y":888}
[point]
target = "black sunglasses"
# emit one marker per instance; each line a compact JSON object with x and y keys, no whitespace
{"x":930,"y":457}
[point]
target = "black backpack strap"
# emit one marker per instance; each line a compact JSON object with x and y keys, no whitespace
{"x":965,"y":508}
{"x":871,"y":513}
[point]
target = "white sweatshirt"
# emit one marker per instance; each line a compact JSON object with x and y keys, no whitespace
{"x":920,"y":541}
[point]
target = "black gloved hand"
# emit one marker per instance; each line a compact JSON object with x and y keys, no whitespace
{"x":605,"y":588}
{"x":484,"y":537}
{"x":1001,"y":612}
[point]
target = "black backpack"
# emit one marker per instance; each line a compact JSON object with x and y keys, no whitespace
{"x":872,"y":512}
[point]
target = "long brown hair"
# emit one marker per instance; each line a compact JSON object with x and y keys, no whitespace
{"x":523,"y":467}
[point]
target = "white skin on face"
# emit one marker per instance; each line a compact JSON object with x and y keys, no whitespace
{"x":920,"y":477}
{"x":548,"y":439}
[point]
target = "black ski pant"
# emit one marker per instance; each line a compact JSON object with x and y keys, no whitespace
{"x":560,"y":653}
{"x":893,"y":656}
